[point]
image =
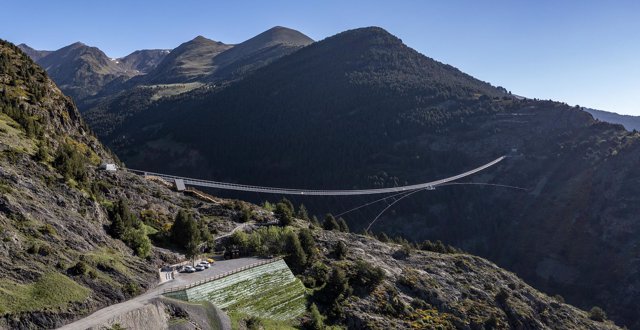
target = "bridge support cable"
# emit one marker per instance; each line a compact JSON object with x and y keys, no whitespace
{"x":393,"y":203}
{"x":407,"y":194}
{"x":302,"y":192}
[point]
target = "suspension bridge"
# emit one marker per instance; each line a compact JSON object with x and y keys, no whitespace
{"x":395,"y":194}
{"x":182,"y":181}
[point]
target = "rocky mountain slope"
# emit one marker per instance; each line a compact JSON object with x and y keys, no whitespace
{"x":33,"y":53}
{"x":381,"y":114}
{"x":95,"y":81}
{"x":629,"y":122}
{"x":187,"y":62}
{"x":432,"y":290}
{"x":81,"y":70}
{"x":144,"y":60}
{"x":58,"y":260}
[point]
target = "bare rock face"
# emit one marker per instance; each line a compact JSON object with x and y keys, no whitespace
{"x":423,"y":289}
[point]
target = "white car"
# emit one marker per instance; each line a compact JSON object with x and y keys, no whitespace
{"x":189,"y":269}
{"x":205,"y":264}
{"x":200,"y":267}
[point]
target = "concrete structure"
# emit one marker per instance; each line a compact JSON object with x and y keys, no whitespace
{"x":110,"y":167}
{"x":268,"y":290}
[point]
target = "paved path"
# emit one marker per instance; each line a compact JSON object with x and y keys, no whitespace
{"x":101,"y":316}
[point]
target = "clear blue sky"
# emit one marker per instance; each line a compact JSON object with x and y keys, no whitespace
{"x":584,"y":52}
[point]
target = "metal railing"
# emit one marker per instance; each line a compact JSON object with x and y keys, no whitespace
{"x":219,"y":276}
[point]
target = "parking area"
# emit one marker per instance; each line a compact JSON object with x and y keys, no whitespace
{"x":217,"y":268}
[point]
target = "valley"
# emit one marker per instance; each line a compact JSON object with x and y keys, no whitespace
{"x":458,"y":205}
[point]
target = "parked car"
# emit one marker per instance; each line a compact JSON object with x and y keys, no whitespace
{"x":210,"y":261}
{"x":205,"y":264}
{"x":189,"y":269}
{"x":200,"y":268}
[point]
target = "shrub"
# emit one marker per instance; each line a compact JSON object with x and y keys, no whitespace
{"x":366,"y":276}
{"x":80,"y":268}
{"x":340,"y":250}
{"x":502,"y":296}
{"x":320,"y":273}
{"x":253,"y":323}
{"x":138,"y":240}
{"x":403,"y":253}
{"x":48,"y":229}
{"x":342,"y":224}
{"x":284,"y":213}
{"x":597,"y":314}
{"x":336,"y":289}
{"x":131,"y":288}
{"x":70,"y":163}
{"x":316,"y":321}
{"x":330,"y":223}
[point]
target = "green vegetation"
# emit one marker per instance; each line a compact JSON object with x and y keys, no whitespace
{"x":186,"y":234}
{"x":316,"y":321}
{"x":597,"y":314}
{"x":439,"y":247}
{"x":330,"y":223}
{"x":128,"y":228}
{"x":340,"y":250}
{"x":70,"y":163}
{"x":51,"y":290}
{"x":238,"y":318}
{"x":284,"y":212}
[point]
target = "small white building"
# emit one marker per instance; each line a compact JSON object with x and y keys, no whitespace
{"x":110,"y":167}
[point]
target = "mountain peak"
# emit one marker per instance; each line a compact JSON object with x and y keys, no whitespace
{"x":284,"y":35}
{"x":202,"y":39}
{"x":78,"y":44}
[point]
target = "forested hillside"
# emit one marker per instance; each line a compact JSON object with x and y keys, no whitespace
{"x":361,"y":109}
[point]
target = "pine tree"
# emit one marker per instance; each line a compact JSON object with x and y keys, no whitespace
{"x":308,"y":242}
{"x":343,"y":225}
{"x":117,"y":226}
{"x":302,"y":213}
{"x":340,"y":250}
{"x":337,"y":287}
{"x":330,"y":223}
{"x":284,"y":214}
{"x":296,"y":258}
{"x":185,"y":233}
{"x":289,"y":205}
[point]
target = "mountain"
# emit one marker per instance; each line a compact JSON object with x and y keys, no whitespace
{"x":58,"y":260}
{"x":187,"y":62}
{"x":629,"y":122}
{"x":81,"y":71}
{"x":33,"y":53}
{"x":362,"y":110}
{"x":259,"y":51}
{"x":62,"y":257}
{"x":144,"y":60}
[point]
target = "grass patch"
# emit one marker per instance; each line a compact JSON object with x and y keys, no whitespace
{"x":150,"y":230}
{"x":13,"y":136}
{"x":51,"y":291}
{"x":107,"y":259}
{"x":238,"y":317}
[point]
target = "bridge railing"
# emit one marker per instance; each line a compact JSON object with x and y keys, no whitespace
{"x":219,"y":276}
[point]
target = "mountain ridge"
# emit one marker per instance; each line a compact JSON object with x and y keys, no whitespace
{"x":59,"y":214}
{"x":382,"y":115}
